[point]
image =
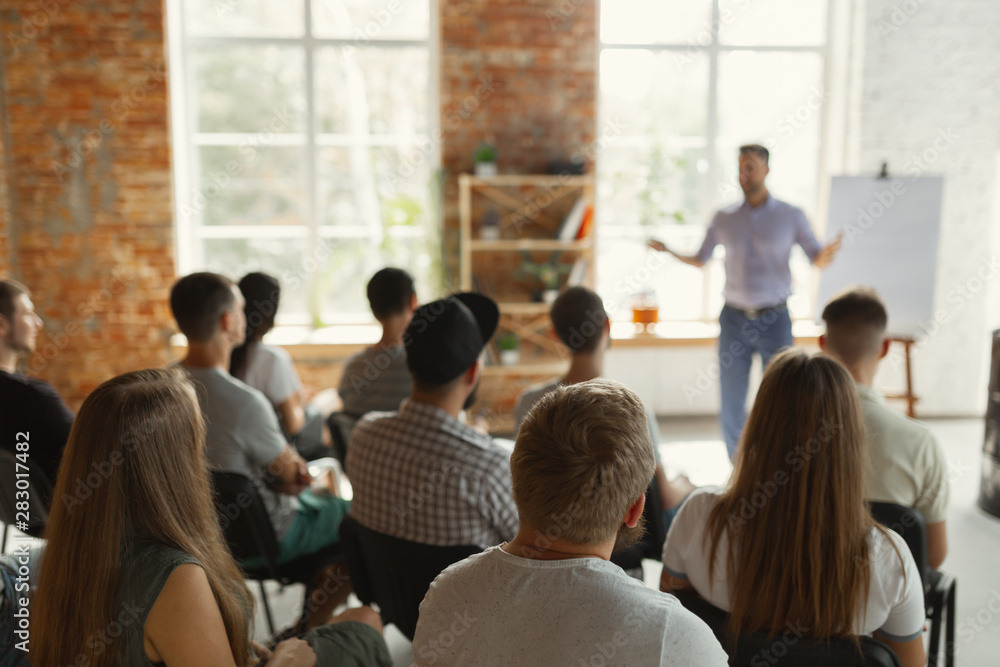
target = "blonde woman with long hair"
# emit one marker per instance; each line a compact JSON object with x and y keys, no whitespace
{"x":136,"y":571}
{"x":790,"y":539}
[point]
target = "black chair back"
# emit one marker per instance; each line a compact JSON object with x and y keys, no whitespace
{"x":245,"y":522}
{"x":36,"y":484}
{"x":340,"y":425}
{"x":393,"y":573}
{"x":788,"y":648}
{"x":910,"y":525}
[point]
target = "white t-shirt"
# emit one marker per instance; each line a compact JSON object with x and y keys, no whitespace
{"x":270,"y":371}
{"x":895,"y":608}
{"x":495,"y":608}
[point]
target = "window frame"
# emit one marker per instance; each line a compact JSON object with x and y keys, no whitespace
{"x":836,"y":80}
{"x":185,"y":144}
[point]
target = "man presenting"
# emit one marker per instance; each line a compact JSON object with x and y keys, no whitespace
{"x":758,"y":235}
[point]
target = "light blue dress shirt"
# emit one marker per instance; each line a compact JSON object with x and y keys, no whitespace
{"x":758,"y":242}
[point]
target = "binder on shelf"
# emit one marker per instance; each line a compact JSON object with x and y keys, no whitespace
{"x":571,"y":223}
{"x":586,"y":223}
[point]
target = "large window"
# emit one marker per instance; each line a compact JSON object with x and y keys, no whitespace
{"x":303,"y":145}
{"x":683,"y":83}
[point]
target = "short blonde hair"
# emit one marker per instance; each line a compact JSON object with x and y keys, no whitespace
{"x":583,"y":455}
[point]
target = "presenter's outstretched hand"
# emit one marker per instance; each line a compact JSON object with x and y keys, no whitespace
{"x":656,"y":245}
{"x":828,"y":252}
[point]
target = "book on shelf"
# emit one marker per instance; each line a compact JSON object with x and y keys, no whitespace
{"x":570,"y":226}
{"x":577,"y":273}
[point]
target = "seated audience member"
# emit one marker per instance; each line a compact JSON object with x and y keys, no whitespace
{"x":906,"y":463}
{"x":143,"y":552}
{"x":421,"y":474}
{"x":580,"y":468}
{"x":790,"y":539}
{"x":270,"y":370}
{"x":242,"y":431}
{"x":376,"y":379}
{"x":30,"y":406}
{"x":579,"y":319}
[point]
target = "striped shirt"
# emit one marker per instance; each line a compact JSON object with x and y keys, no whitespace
{"x":421,"y":475}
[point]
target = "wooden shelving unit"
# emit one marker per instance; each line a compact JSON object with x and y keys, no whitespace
{"x":530,"y":211}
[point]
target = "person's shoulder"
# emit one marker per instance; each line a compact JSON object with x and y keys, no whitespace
{"x":457,"y":578}
{"x":729,"y":210}
{"x":273,"y":353}
{"x":785,"y":209}
{"x":903,"y":429}
{"x":28,"y":385}
{"x":536,"y":391}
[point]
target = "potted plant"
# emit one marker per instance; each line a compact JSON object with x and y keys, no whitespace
{"x":548,"y":275}
{"x":489,"y":228}
{"x":509,"y":346}
{"x":484,"y":160}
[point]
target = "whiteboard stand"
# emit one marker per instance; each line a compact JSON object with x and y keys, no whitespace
{"x":908,"y":396}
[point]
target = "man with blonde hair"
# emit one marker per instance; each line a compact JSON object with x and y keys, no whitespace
{"x":906,"y":464}
{"x":581,"y":464}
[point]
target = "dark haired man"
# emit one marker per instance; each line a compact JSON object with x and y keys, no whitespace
{"x":758,"y":235}
{"x":421,"y":474}
{"x":242,"y":433}
{"x":906,"y":464}
{"x":376,"y":379}
{"x":32,"y":412}
{"x":582,"y":324}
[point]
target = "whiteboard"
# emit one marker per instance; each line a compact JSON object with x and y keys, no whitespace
{"x":890,"y":242}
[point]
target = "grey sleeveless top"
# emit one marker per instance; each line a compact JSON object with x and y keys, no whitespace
{"x":144,"y":573}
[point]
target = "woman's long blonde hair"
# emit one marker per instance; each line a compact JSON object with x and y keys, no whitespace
{"x":794,"y":511}
{"x":134,"y":467}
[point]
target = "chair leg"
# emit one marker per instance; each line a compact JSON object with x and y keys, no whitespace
{"x":267,"y":607}
{"x":3,"y":545}
{"x":949,"y":645}
{"x":933,"y":648}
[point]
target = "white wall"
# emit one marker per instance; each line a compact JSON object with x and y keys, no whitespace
{"x":930,"y":103}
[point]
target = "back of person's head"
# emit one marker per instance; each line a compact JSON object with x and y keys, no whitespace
{"x":579,"y":318}
{"x":390,"y":292}
{"x":261,"y":295}
{"x":198,"y":301}
{"x":583,"y":456}
{"x":445,"y":338}
{"x":133,"y":468}
{"x":10,"y":290}
{"x":794,"y":510}
{"x":856,"y":320}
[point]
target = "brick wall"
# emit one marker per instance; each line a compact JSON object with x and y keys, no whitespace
{"x":521,"y":74}
{"x":931,"y":104}
{"x":87,"y":171}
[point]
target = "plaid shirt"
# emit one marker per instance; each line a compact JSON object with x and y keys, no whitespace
{"x":421,"y":475}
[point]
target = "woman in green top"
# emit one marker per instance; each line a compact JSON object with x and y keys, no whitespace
{"x":136,"y":571}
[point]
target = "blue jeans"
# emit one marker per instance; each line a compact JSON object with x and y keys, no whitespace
{"x":739,"y":339}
